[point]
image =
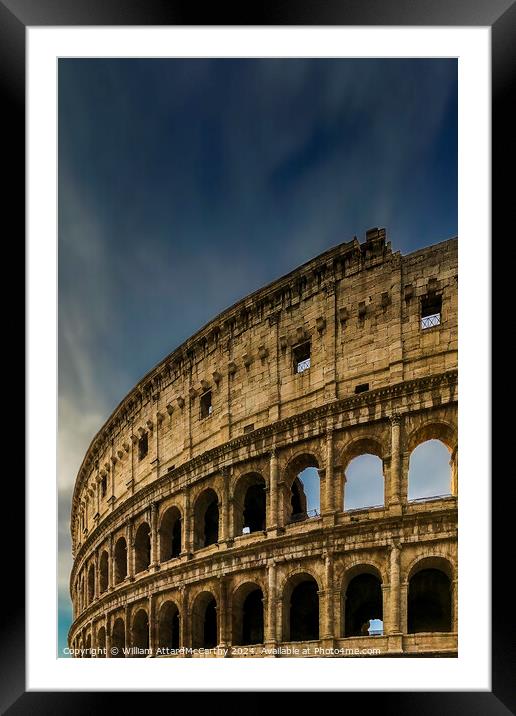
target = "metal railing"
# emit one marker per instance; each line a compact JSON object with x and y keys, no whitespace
{"x":303,"y":365}
{"x":431,"y":321}
{"x":363,"y":509}
{"x":429,"y":499}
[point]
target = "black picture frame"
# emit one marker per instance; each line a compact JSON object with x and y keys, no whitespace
{"x":500,"y":15}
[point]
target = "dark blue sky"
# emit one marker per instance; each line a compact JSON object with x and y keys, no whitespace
{"x":186,"y":184}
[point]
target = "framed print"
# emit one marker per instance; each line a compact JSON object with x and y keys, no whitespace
{"x":258,"y":260}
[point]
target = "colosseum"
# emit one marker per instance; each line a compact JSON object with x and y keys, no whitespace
{"x":215,"y":513}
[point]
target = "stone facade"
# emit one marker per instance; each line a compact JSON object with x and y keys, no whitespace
{"x":339,"y":358}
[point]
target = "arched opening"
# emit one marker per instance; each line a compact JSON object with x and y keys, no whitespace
{"x":120,"y":560}
{"x":140,"y":634}
{"x":429,"y":606}
{"x":363,"y":605}
{"x":170,"y":535}
{"x":142,"y":548}
{"x":101,"y":643}
{"x":249,"y":506}
{"x":81,"y":593}
{"x":87,"y":645}
{"x":118,"y":639}
{"x":301,"y":609}
{"x":91,"y":583}
{"x":248,"y":615}
{"x":206,"y":516}
{"x":429,"y":471}
{"x":304,"y":497}
{"x":103,"y":571}
{"x":204,"y":622}
{"x":168,"y":626}
{"x":364,"y":485}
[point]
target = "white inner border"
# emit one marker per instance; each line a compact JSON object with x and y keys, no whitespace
{"x":471,"y":670}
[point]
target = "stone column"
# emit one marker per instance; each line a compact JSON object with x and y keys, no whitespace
{"x":127,"y":623}
{"x":454,"y":487}
{"x":385,"y":609}
{"x":272,"y":514}
{"x":154,"y":537}
{"x":152,"y":624}
{"x":188,"y":524}
{"x":130,"y":550}
{"x":224,"y":527}
{"x":394,"y":495}
{"x":330,"y":487}
{"x":395,"y":641}
{"x":455,"y":605}
{"x":184,"y":619}
{"x":222,"y":614}
{"x":394,"y":593}
{"x":108,"y":636}
{"x":111,"y":569}
{"x":404,"y":607}
{"x":270,"y":633}
{"x":327,"y":631}
{"x":96,"y":573}
{"x":343,"y":495}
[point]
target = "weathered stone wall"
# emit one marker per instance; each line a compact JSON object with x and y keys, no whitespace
{"x":359,"y":307}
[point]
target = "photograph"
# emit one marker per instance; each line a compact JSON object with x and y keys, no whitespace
{"x":258,"y":334}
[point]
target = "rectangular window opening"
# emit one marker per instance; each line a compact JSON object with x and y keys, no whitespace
{"x":143,"y":446}
{"x":206,"y":406}
{"x":362,"y":388}
{"x":431,"y":307}
{"x":301,"y":356}
{"x":103,"y":486}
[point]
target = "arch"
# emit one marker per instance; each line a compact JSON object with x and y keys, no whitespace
{"x":103,"y":571}
{"x":249,"y":504}
{"x":118,"y":639}
{"x":433,"y":430}
{"x":142,"y":548}
{"x":432,"y":561}
{"x":170,"y":534}
{"x":430,"y":470}
{"x":91,"y":583}
{"x":101,"y":642}
{"x":302,"y":488}
{"x":301,"y":608}
{"x":365,"y":445}
{"x":205,"y":627}
{"x":120,"y":560}
{"x":429,"y":598}
{"x":364,"y":482}
{"x":247,"y":614}
{"x":362,"y":599}
{"x":206,"y":519}
{"x":169,"y":626}
{"x":140,"y":633}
